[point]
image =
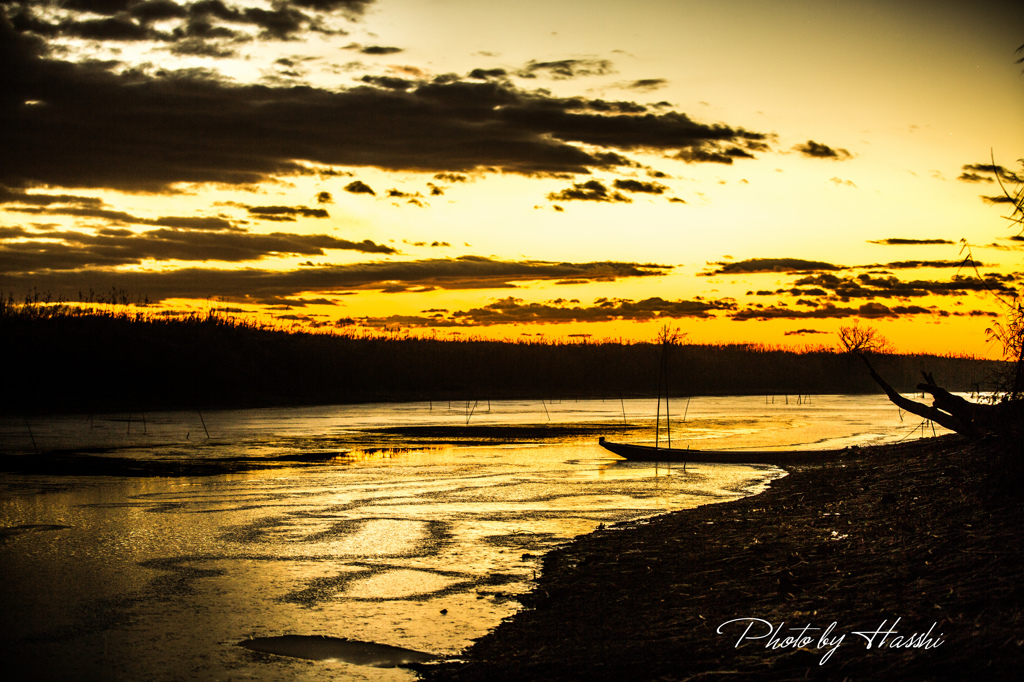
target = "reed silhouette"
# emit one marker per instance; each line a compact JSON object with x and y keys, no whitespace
{"x":63,"y":358}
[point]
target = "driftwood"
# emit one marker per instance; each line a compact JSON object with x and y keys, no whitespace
{"x":953,"y":412}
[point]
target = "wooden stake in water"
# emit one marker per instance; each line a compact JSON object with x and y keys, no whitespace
{"x":204,"y":424}
{"x":667,"y":337}
{"x":30,"y":434}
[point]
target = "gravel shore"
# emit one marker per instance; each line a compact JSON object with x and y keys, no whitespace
{"x":893,"y":562}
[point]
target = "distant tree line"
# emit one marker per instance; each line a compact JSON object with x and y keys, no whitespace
{"x":62,"y":359}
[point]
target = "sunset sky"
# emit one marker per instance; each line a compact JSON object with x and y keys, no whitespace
{"x":745,"y":171}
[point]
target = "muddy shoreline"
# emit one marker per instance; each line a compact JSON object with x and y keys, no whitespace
{"x":927,"y":532}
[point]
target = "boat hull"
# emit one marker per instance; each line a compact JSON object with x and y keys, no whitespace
{"x":649,"y":453}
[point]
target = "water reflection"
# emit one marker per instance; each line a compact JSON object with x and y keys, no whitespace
{"x":420,"y":547}
{"x":357,"y":431}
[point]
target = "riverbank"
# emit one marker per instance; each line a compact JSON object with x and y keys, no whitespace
{"x":922,"y":538}
{"x":128,"y":360}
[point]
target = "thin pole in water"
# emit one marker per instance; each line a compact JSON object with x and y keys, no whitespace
{"x":657,"y":417}
{"x":661,"y":380}
{"x":664,"y":380}
{"x":668,"y":422}
{"x":204,"y":424}
{"x":30,"y":434}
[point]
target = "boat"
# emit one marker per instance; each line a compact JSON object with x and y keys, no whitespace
{"x":655,"y":453}
{"x":651,"y":453}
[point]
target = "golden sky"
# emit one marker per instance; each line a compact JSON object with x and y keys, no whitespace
{"x":745,"y":171}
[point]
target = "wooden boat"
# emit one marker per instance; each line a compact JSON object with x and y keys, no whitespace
{"x":654,"y":453}
{"x":650,"y":453}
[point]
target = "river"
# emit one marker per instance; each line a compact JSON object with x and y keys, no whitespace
{"x":412,"y":525}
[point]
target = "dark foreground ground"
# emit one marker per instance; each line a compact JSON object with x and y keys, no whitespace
{"x":923,"y":539}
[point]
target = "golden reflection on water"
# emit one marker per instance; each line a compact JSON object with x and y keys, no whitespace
{"x":383,"y":537}
{"x":423,"y":548}
{"x":398,"y":584}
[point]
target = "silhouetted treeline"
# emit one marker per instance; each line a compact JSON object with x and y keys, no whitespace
{"x":60,"y":359}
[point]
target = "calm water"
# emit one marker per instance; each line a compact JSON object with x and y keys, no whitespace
{"x":413,"y":536}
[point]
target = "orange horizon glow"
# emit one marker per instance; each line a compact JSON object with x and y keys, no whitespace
{"x":537,"y":172}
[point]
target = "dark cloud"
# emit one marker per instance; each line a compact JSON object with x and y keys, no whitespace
{"x":395,"y":193}
{"x":414,"y":198}
{"x":156,"y":10}
{"x":186,"y":26}
{"x":910,"y":264}
{"x":567,"y":68}
{"x":821,"y":280}
{"x":89,"y":207}
{"x":16,"y":232}
{"x":359,"y":187}
{"x":112,"y":28}
{"x":195,"y":223}
{"x":389,"y":82}
{"x":1000,"y":199}
{"x":900,"y":241}
{"x":647,"y":84}
{"x":378,"y":49}
{"x":641,"y":187}
{"x":109,"y":247}
{"x":591,"y":190}
{"x":435,"y":244}
{"x":972,"y":172}
{"x":868,"y":310}
{"x":351,"y":7}
{"x":712,"y":154}
{"x":254,"y":285}
{"x":276,"y":212}
{"x":199,"y":47}
{"x":870,"y":286}
{"x":451,"y":177}
{"x":487,"y":74}
{"x":512,"y":310}
{"x":9,"y":196}
{"x":104,"y":7}
{"x":974,"y":177}
{"x":280,"y":23}
{"x":755,"y":265}
{"x":816,"y":150}
{"x":116,"y":217}
{"x":617,"y":107}
{"x":131,"y":131}
{"x":324,"y":198}
{"x":803,"y":332}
